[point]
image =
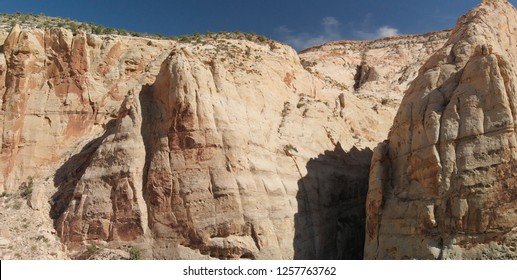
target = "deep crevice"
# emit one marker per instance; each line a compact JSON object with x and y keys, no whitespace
{"x":331,"y":224}
{"x":145,"y":97}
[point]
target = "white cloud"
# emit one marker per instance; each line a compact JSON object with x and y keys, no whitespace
{"x":330,"y":26}
{"x":387,"y":31}
{"x":331,"y":32}
{"x":283,"y":30}
{"x":381,"y":32}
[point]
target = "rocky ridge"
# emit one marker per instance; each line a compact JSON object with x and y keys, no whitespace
{"x":125,"y":147}
{"x":443,"y":185}
{"x":180,"y":150}
{"x":394,"y":63}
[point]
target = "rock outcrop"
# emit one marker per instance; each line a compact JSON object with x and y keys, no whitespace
{"x":60,"y":89}
{"x":225,"y":154}
{"x":393,"y":62}
{"x":396,"y":61}
{"x":100,"y":194}
{"x":226,"y":149}
{"x":364,"y":74}
{"x":443,"y":185}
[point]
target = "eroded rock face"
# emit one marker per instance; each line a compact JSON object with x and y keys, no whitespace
{"x":220,"y":180}
{"x":443,"y":185}
{"x":59,"y":90}
{"x":99,"y":194}
{"x":396,"y":61}
{"x":227,"y":149}
{"x":364,"y":74}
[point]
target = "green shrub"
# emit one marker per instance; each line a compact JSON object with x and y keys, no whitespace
{"x":108,"y":30}
{"x":135,"y":253}
{"x":42,"y":238}
{"x":92,"y":249}
{"x":98,"y":30}
{"x":26,"y":188}
{"x":288,"y":149}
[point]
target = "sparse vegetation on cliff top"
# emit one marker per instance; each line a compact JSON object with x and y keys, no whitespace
{"x":43,"y":21}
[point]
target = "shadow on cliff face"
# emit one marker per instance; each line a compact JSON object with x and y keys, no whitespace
{"x":330,"y":223}
{"x":74,"y":185}
{"x":69,"y":174}
{"x":145,"y":97}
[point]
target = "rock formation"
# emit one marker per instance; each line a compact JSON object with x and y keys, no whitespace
{"x":226,"y":149}
{"x":364,"y":74}
{"x":443,"y":185}
{"x":396,"y":61}
{"x":218,"y":181}
{"x":59,"y":90}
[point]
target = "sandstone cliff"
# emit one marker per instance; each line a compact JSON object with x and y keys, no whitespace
{"x":230,"y":148}
{"x":59,"y":91}
{"x":226,"y":170}
{"x":376,"y":72}
{"x":395,"y":61}
{"x":443,"y":185}
{"x":224,"y":149}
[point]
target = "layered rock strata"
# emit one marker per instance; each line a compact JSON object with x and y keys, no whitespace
{"x":230,"y":149}
{"x":443,"y":185}
{"x":227,"y":149}
{"x":222,"y":171}
{"x":395,"y":60}
{"x":60,"y":89}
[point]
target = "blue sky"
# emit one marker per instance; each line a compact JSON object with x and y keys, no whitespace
{"x":301,"y":23}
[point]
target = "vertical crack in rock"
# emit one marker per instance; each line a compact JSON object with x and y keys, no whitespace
{"x":146,"y":109}
{"x":364,"y":74}
{"x":334,"y":175}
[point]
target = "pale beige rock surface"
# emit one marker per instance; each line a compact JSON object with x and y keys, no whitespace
{"x":443,"y":185}
{"x":228,"y":170}
{"x":376,"y":72}
{"x":226,"y":149}
{"x":25,"y":230}
{"x":233,"y":149}
{"x":394,"y":62}
{"x":58,"y":92}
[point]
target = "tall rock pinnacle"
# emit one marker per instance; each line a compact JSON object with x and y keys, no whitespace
{"x":443,"y":184}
